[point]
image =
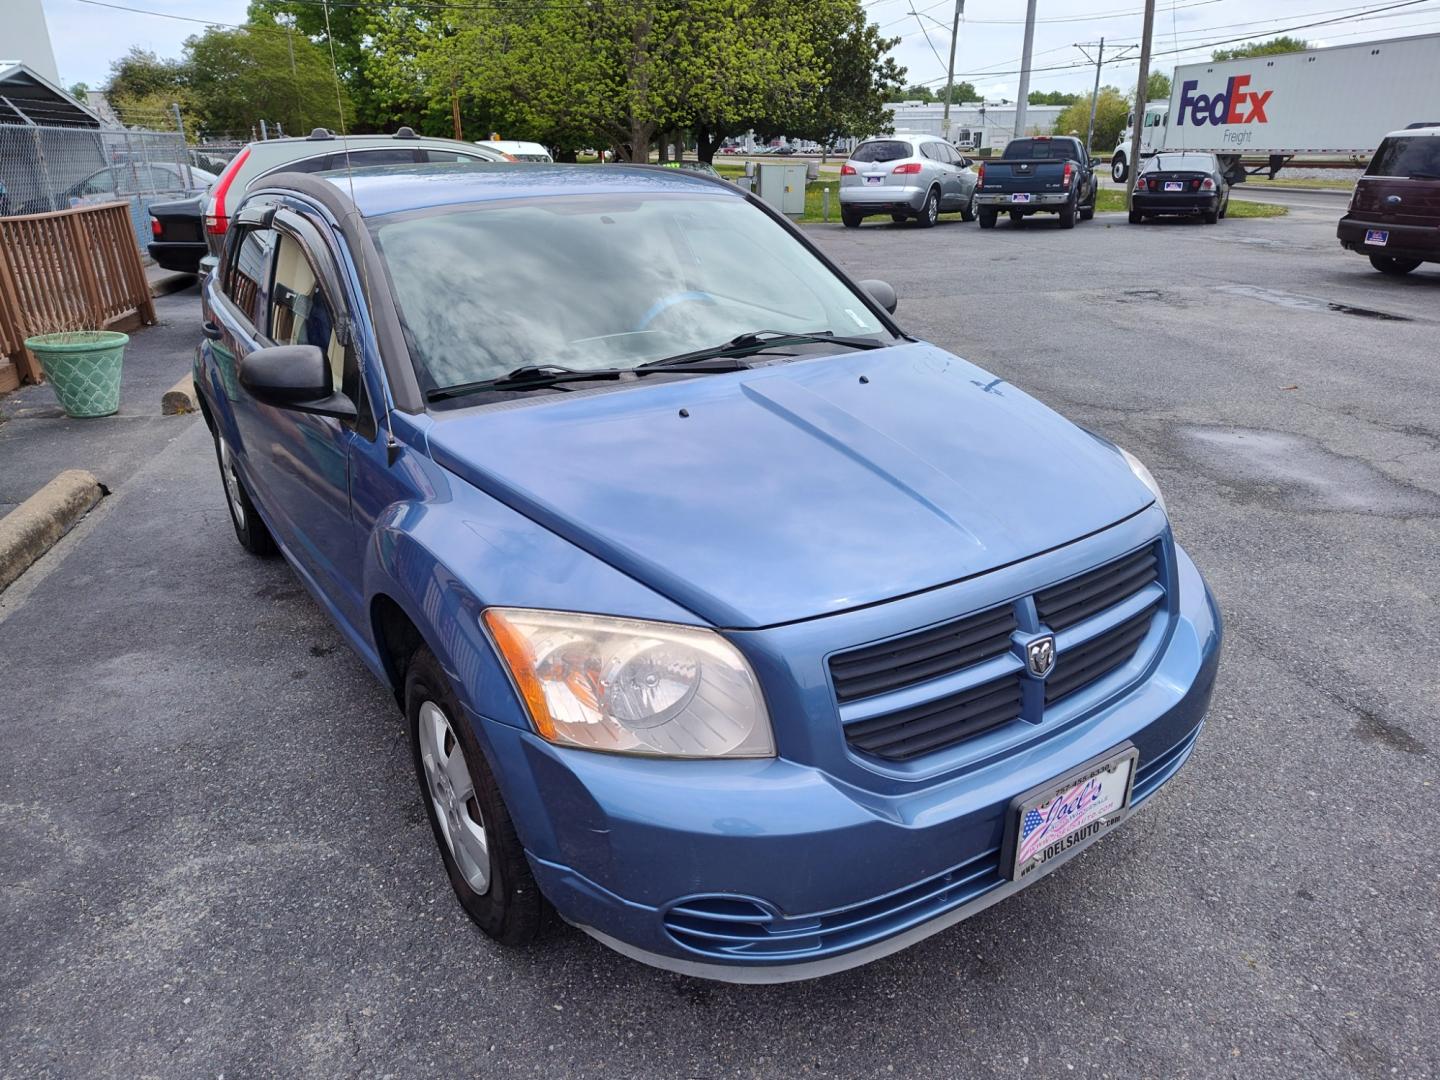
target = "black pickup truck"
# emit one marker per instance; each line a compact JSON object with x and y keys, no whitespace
{"x":1040,"y":175}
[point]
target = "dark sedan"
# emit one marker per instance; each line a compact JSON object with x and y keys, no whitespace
{"x":1180,"y":185}
{"x":178,"y":232}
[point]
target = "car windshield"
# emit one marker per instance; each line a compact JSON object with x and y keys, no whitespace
{"x":882,"y":150}
{"x":600,"y":281}
{"x":1411,"y":155}
{"x":1040,"y":149}
{"x":1180,"y":163}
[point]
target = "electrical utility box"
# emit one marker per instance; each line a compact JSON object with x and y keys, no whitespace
{"x":783,"y":186}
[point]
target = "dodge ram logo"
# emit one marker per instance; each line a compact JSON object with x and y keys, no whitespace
{"x":1040,"y":656}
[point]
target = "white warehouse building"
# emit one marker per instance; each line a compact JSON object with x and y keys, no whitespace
{"x":978,"y":123}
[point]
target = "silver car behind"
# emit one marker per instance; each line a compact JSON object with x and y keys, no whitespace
{"x":906,"y":176}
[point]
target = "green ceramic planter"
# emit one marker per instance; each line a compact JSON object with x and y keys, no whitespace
{"x":83,"y":368}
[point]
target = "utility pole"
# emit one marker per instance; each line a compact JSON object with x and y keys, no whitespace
{"x":1099,"y":63}
{"x":950,"y":72}
{"x":1095,"y":97}
{"x":1141,"y":86}
{"x":1024,"y":99}
{"x":455,"y":110}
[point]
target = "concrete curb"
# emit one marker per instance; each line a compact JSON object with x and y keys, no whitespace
{"x":33,"y":527}
{"x":165,"y":282}
{"x":179,"y":399}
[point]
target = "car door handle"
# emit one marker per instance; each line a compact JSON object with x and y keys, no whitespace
{"x":211,"y":331}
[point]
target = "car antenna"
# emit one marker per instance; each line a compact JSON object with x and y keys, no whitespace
{"x":392,"y":445}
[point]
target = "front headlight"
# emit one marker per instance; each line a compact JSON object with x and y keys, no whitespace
{"x":632,"y":686}
{"x":1143,"y":475}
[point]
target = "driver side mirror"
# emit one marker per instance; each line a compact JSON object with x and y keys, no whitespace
{"x":966,"y":162}
{"x":294,"y":377}
{"x":1095,"y":163}
{"x":882,"y":293}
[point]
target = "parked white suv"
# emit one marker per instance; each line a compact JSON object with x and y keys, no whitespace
{"x":322,"y":150}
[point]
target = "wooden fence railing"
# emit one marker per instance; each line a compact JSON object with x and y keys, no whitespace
{"x":68,"y":270}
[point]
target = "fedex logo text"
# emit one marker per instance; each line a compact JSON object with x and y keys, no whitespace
{"x":1236,"y":105}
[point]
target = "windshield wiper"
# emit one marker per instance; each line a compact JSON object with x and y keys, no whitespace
{"x":540,"y":376}
{"x":756,"y":340}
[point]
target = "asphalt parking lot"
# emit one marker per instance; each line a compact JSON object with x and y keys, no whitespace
{"x":213,"y":858}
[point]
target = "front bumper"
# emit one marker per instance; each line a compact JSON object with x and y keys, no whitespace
{"x":772,"y":871}
{"x":883,"y":198}
{"x":1405,"y":241}
{"x":1182,"y":203}
{"x":1000,"y":200}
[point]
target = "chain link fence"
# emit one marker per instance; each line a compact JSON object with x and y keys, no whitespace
{"x":55,"y":168}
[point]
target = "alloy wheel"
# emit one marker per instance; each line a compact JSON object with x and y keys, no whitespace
{"x":452,"y":795}
{"x":232,"y":484}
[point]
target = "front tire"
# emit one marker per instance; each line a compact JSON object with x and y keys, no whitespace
{"x":483,"y":856}
{"x":250,"y":531}
{"x":971,"y":210}
{"x":930,"y":212}
{"x":1016,"y":218}
{"x":851,"y":220}
{"x":1392,"y":266}
{"x":1118,"y":171}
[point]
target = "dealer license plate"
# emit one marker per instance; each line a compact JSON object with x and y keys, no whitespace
{"x":1061,"y":817}
{"x":1020,"y":196}
{"x":873,"y":179}
{"x":1174,"y":185}
{"x":1377,"y":237}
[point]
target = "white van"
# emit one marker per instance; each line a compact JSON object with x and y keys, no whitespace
{"x":520,"y":151}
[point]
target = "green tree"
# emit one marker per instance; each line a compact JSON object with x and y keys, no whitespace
{"x":1052,"y":97}
{"x":960,"y":92}
{"x":857,"y":75}
{"x":236,"y":78}
{"x":1276,"y":45}
{"x":917,"y":92}
{"x":1111,"y":109}
{"x":1158,"y":87}
{"x":143,"y":87}
{"x":350,"y":28}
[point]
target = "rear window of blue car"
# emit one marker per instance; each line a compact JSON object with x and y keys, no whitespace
{"x":592,"y":281}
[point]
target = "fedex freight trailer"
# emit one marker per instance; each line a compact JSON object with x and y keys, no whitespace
{"x":1323,"y":105}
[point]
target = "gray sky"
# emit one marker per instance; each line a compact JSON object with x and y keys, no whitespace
{"x":88,"y":37}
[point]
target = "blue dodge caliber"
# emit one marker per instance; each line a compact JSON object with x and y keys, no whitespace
{"x":730,"y":623}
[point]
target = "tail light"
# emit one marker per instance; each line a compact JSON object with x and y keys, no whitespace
{"x":909,"y":168}
{"x":980,"y":176}
{"x":847,"y":170}
{"x":1208,"y":185}
{"x":1153,"y":184}
{"x":155,"y":227}
{"x":1069,"y":173}
{"x":216,"y":221}
{"x":1195,"y":184}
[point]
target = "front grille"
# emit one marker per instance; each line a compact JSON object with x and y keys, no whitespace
{"x":910,"y":732}
{"x":1096,"y":658}
{"x":1100,"y":618}
{"x":1074,"y":601}
{"x":927,"y":654}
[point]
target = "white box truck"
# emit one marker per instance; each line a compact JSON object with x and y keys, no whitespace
{"x":1323,"y":105}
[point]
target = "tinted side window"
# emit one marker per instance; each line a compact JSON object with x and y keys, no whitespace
{"x":931,"y":151}
{"x":448,"y":157}
{"x":245,"y":283}
{"x":319,"y":163}
{"x":881,"y":150}
{"x":390,"y":155}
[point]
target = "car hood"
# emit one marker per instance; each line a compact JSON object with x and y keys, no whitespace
{"x":799,"y":489}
